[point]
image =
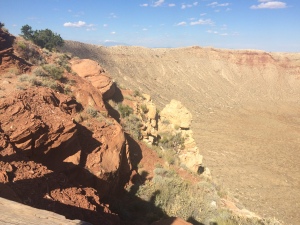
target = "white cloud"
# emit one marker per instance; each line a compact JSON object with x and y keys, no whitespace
{"x":224,"y":4}
{"x":158,"y":3}
{"x":212,"y":4}
{"x":267,"y":4}
{"x":105,"y":25}
{"x":91,"y":29}
{"x":112,"y":16}
{"x":216,"y":4}
{"x":144,"y":5}
{"x":203,"y":14}
{"x":80,"y":24}
{"x":75,"y":24}
{"x":224,"y":27}
{"x":202,"y":22}
{"x":184,"y":6}
{"x":145,"y":29}
{"x":181,"y":23}
{"x":172,"y":5}
{"x":113,"y":32}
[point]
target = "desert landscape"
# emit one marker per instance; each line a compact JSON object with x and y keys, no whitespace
{"x":130,"y":135}
{"x":245,"y":106}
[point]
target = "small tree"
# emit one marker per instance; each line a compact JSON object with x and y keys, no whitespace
{"x":1,"y":25}
{"x":27,"y":32}
{"x":43,"y":38}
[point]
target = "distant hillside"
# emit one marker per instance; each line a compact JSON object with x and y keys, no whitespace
{"x":245,"y":107}
{"x":206,"y":76}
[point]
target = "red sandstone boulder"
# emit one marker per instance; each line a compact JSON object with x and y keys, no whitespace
{"x":93,"y":72}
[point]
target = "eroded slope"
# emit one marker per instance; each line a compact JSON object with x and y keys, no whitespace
{"x":245,"y":109}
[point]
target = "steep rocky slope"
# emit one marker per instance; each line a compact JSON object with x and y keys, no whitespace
{"x":245,"y":107}
{"x":63,"y":149}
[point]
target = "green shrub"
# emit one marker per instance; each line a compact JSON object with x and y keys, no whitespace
{"x":1,"y":25}
{"x":144,"y":108}
{"x":53,"y":71}
{"x":43,"y":38}
{"x":131,"y":124}
{"x":21,"y":45}
{"x":24,"y":77}
{"x":29,"y":52}
{"x":124,"y":110}
{"x":50,"y":84}
{"x":92,"y":112}
{"x":137,"y":93}
{"x":63,"y":61}
{"x":170,"y":141}
{"x":39,"y":71}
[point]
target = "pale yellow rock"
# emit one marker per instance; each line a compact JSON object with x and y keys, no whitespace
{"x":191,"y":159}
{"x":177,"y":114}
{"x":153,"y":123}
{"x":146,"y":97}
{"x":151,"y":111}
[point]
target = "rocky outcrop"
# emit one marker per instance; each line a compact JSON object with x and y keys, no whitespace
{"x":93,"y":72}
{"x":35,"y":121}
{"x":39,"y":123}
{"x":148,"y":115}
{"x":7,"y":56}
{"x":30,"y":215}
{"x":177,"y":114}
{"x":175,"y":120}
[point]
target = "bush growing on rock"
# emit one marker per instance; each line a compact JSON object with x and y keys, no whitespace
{"x":1,"y":25}
{"x":53,"y":71}
{"x":29,"y":52}
{"x":132,"y":124}
{"x":125,"y":110}
{"x":43,"y":38}
{"x":39,"y":71}
{"x":92,"y":112}
{"x":169,"y":141}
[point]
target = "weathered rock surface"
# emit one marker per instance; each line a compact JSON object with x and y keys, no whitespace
{"x":176,"y":119}
{"x":93,"y":72}
{"x":40,"y":123}
{"x":7,"y":56}
{"x":177,"y":114}
{"x":20,"y":214}
{"x":36,"y":121}
{"x":171,"y":221}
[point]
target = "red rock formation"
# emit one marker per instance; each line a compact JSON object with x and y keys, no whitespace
{"x":93,"y":72}
{"x":7,"y":56}
{"x":39,"y":122}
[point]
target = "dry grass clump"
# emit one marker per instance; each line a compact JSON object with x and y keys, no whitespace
{"x":28,"y":51}
{"x":196,"y":203}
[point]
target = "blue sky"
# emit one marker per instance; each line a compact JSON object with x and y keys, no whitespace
{"x":236,"y":24}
